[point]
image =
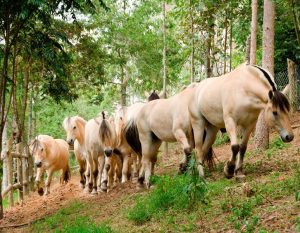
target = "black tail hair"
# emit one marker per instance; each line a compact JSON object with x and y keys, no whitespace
{"x":132,"y":137}
{"x":67,"y":175}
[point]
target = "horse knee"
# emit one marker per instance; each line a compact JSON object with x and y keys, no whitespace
{"x":95,"y":173}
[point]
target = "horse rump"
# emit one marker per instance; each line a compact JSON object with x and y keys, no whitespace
{"x":132,"y":137}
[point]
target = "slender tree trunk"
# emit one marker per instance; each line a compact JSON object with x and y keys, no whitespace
{"x":3,"y":153}
{"x":292,"y":85}
{"x":225,"y":43}
{"x":165,"y":144}
{"x":262,"y":131}
{"x":192,"y":43}
{"x":230,"y":50}
{"x":248,"y":50}
{"x":296,"y":20}
{"x":253,"y":32}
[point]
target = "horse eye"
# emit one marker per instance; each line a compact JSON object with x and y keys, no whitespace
{"x":74,"y":127}
{"x":42,"y":149}
{"x":275,"y":113}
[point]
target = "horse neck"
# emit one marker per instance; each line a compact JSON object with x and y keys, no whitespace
{"x":81,"y":127}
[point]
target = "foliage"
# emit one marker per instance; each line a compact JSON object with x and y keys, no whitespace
{"x":221,"y":139}
{"x":276,"y":144}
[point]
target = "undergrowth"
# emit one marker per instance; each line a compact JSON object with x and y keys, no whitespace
{"x":179,"y":192}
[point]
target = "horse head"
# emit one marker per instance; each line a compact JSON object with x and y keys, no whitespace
{"x":277,"y":115}
{"x":39,"y":151}
{"x":72,"y":128}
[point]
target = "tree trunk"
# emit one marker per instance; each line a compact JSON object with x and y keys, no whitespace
{"x":4,"y":154}
{"x":262,"y":131}
{"x":292,"y":85}
{"x":165,"y":144}
{"x":192,"y":44}
{"x":230,"y":49}
{"x":253,"y":32}
{"x":296,"y":20}
{"x":248,"y":50}
{"x":225,"y":44}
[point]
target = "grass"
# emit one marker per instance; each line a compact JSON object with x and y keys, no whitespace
{"x":6,"y":199}
{"x":70,"y":220}
{"x":221,"y":139}
{"x":178,"y":192}
{"x":275,"y":145}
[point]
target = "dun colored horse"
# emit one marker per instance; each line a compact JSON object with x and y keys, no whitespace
{"x":50,"y":155}
{"x":75,"y":127}
{"x":100,"y":139}
{"x":235,"y":100}
{"x":157,"y":121}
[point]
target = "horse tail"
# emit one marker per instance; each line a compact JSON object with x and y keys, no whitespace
{"x":132,"y":137}
{"x":67,"y":175}
{"x":209,"y":157}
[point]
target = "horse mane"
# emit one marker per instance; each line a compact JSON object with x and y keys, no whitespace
{"x":153,"y":96}
{"x":267,"y":76}
{"x":80,"y":119}
{"x":280,"y":101}
{"x":35,"y":144}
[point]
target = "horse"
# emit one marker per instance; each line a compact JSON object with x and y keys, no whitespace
{"x":50,"y":155}
{"x":157,"y":121}
{"x":100,"y":139}
{"x":75,"y":127}
{"x":123,"y":116}
{"x":233,"y":101}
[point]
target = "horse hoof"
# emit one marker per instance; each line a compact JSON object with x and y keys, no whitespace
{"x":41,"y":191}
{"x":94,"y":192}
{"x":140,"y":186}
{"x":229,"y":170}
{"x":86,"y":190}
{"x":240,"y":178}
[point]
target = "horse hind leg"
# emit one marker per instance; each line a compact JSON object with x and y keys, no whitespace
{"x":182,"y":139}
{"x":89,"y":174}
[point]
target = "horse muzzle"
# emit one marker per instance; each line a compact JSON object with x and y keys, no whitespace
{"x":286,"y":137}
{"x":70,"y":142}
{"x":108,"y":152}
{"x":38,"y":164}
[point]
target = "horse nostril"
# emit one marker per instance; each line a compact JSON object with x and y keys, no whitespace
{"x":289,"y":137}
{"x":71,"y":142}
{"x":38,"y":164}
{"x":108,"y":152}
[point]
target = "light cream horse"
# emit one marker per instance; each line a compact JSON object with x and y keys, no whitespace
{"x":157,"y":121}
{"x":50,"y":155}
{"x":100,"y":140}
{"x":235,"y":100}
{"x":75,"y":129}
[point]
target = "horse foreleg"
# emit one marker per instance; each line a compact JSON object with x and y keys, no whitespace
{"x":231,"y":129}
{"x":48,"y":181}
{"x":89,"y":174}
{"x":101,"y":161}
{"x":135,"y":165}
{"x":125,"y":169}
{"x":38,"y":178}
{"x":243,"y":147}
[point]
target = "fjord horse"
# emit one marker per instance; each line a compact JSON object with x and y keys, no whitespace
{"x":75,"y":127}
{"x":123,"y":117}
{"x":50,"y":155}
{"x":235,"y":100}
{"x":100,"y":139}
{"x":161,"y":120}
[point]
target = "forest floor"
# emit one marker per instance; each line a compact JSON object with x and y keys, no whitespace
{"x":273,"y":177}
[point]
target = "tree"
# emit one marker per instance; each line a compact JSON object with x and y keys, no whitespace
{"x":262,"y":131}
{"x":254,"y":6}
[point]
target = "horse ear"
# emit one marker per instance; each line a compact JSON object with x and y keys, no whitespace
{"x":270,"y":94}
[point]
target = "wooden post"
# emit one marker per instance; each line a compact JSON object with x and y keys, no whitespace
{"x":292,"y":85}
{"x":10,"y":173}
{"x":25,"y":170}
{"x":20,"y":172}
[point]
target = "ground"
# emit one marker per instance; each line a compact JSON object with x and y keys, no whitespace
{"x":269,"y":191}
